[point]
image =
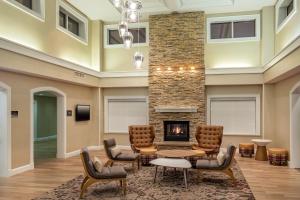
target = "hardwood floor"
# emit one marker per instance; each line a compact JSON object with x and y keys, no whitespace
{"x":266,"y":181}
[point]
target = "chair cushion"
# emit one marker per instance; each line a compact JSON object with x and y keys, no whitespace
{"x":207,"y":164}
{"x":112,"y":172}
{"x":115,"y":151}
{"x":221,"y":157}
{"x":98,"y":164}
{"x":128,"y":156}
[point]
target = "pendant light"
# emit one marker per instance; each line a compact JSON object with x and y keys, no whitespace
{"x":117,"y":3}
{"x":133,"y":4}
{"x":123,"y":28}
{"x":132,"y":16}
{"x":138,"y":57}
{"x":127,"y":39}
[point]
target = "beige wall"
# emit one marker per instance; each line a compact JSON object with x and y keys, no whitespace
{"x":290,"y":32}
{"x":79,"y":134}
{"x":235,"y":90}
{"x":282,"y":111}
{"x":121,"y":138}
{"x":267,"y":34}
{"x":232,"y":54}
{"x":120,"y":59}
{"x":18,"y":26}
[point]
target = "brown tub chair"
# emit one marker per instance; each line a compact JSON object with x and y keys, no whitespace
{"x":209,"y":139}
{"x":115,"y":173}
{"x":141,"y":137}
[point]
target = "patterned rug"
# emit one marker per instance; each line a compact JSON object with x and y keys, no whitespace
{"x":169,"y":187}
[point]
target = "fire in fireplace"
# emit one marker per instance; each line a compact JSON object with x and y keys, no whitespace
{"x":176,"y":131}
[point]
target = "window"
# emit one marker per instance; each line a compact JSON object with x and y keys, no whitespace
{"x":285,"y":10}
{"x":113,"y":39}
{"x":240,"y":115}
{"x":121,"y":112}
{"x":72,"y":22}
{"x":35,"y":8}
{"x":233,"y":28}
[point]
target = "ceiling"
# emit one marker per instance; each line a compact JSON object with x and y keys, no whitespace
{"x":104,"y":10}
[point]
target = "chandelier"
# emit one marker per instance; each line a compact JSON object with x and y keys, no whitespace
{"x":130,"y":13}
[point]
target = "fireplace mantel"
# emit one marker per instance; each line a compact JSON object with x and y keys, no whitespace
{"x":176,"y":109}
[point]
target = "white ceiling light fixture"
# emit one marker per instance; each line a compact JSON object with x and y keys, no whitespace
{"x":117,"y":3}
{"x":133,"y":4}
{"x":138,"y":60}
{"x":123,"y":28}
{"x":132,"y":16}
{"x":128,"y":40}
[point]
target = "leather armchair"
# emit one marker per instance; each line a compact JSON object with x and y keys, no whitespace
{"x":209,"y":139}
{"x":115,"y":173}
{"x":126,"y":156}
{"x":212,"y":165}
{"x":141,"y":137}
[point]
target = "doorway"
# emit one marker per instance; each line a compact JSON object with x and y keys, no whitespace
{"x":45,"y":126}
{"x":295,"y":127}
{"x":5,"y":146}
{"x":48,"y":124}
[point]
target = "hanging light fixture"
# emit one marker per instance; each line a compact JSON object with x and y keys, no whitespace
{"x":133,"y":4}
{"x":138,"y":60}
{"x":123,"y":28}
{"x":127,"y":39}
{"x":117,"y":3}
{"x":132,"y":16}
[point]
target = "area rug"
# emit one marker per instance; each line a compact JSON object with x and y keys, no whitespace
{"x":169,"y":187}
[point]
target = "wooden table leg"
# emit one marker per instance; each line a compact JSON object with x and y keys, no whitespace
{"x":261,"y":153}
{"x":185,"y":178}
{"x":155,"y":174}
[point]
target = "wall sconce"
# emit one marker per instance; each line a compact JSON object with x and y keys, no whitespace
{"x":158,"y":69}
{"x":192,"y":68}
{"x":169,"y":68}
{"x":181,"y":68}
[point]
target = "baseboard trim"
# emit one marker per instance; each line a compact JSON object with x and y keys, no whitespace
{"x":45,"y":138}
{"x":77,"y":152}
{"x":21,"y":169}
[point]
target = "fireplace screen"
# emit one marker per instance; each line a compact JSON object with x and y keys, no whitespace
{"x":176,"y":131}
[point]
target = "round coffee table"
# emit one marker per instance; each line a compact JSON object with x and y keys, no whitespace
{"x":261,"y":151}
{"x":175,"y":153}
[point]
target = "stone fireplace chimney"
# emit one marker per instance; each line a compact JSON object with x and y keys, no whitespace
{"x":176,"y":70}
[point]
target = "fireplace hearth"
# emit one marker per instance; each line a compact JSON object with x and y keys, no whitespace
{"x":176,"y":131}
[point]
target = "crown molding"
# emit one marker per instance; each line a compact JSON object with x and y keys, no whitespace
{"x":239,"y":70}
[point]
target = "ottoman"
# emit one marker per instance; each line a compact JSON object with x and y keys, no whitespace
{"x":246,"y":149}
{"x":146,"y":155}
{"x":278,"y":156}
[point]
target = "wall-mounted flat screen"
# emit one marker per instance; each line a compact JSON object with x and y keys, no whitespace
{"x":82,"y":112}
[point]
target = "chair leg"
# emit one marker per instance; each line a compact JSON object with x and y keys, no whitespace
{"x":111,"y":163}
{"x":85,"y":186}
{"x":124,"y":186}
{"x":84,"y":181}
{"x":229,"y":172}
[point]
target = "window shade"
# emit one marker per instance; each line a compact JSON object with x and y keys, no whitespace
{"x":124,"y":112}
{"x":238,"y":116}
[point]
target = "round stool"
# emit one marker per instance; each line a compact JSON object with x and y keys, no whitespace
{"x":146,"y":155}
{"x":246,"y":149}
{"x":278,"y":156}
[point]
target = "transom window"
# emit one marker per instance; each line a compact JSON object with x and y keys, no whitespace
{"x":233,"y":28}
{"x":72,"y":22}
{"x":113,"y":39}
{"x":285,"y":10}
{"x":35,"y":8}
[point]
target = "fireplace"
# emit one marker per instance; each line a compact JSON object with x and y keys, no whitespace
{"x":176,"y":131}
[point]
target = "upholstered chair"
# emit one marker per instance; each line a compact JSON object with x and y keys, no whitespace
{"x":92,"y":176}
{"x":213,"y":165}
{"x":209,"y":139}
{"x":141,"y":137}
{"x":122,"y":156}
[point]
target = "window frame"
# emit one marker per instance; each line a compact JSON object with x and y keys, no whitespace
{"x":40,"y":15}
{"x":107,"y":28}
{"x":233,"y":19}
{"x":278,"y":5}
{"x":79,"y":18}
{"x":210,"y":98}
{"x":107,"y":99}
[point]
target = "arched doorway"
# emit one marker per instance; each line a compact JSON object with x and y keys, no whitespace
{"x":60,"y":119}
{"x":295,"y":126}
{"x":5,"y":127}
